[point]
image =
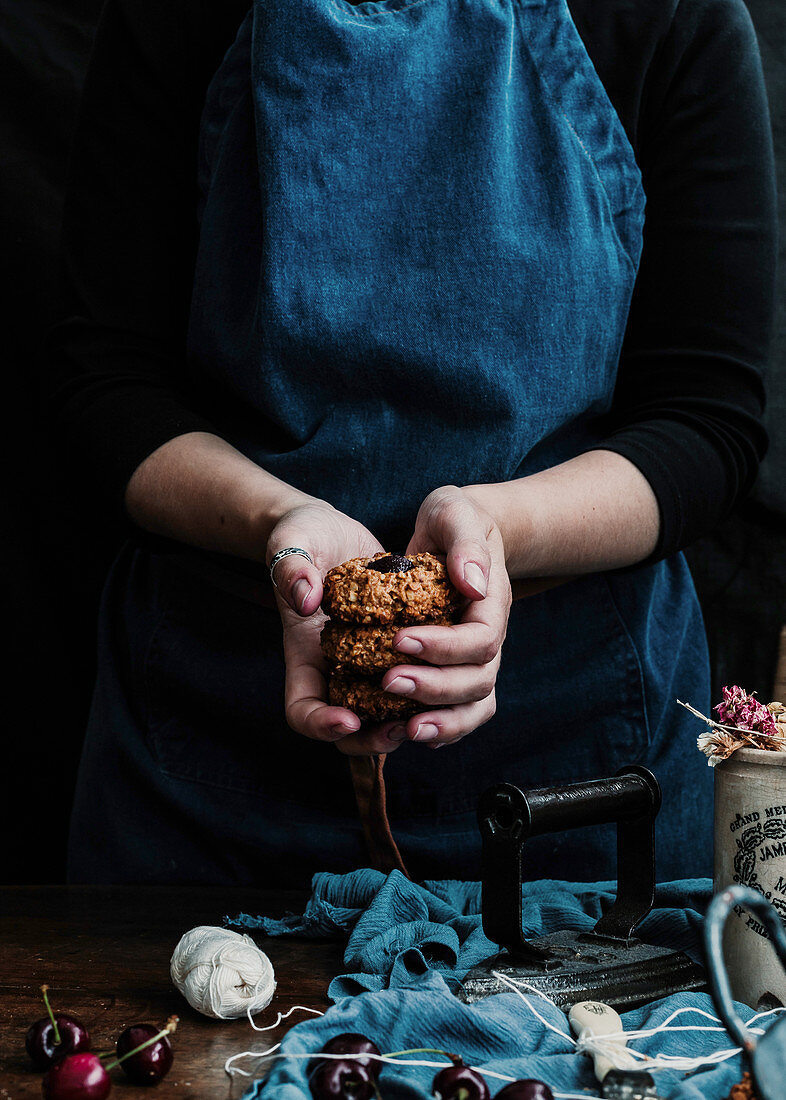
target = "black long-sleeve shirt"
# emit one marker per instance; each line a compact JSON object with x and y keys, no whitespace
{"x":684,"y":77}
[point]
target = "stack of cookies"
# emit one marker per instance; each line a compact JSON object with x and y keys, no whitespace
{"x":369,"y":600}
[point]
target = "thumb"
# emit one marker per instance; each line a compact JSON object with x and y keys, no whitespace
{"x":295,"y":579}
{"x":469,"y":563}
{"x":456,"y":528}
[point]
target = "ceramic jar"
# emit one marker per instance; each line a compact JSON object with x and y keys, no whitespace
{"x":750,"y":849}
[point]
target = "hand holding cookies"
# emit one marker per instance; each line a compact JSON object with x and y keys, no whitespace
{"x":467,"y":653}
{"x":328,"y":537}
{"x":414,"y":645}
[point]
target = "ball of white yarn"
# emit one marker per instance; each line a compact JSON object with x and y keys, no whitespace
{"x":221,"y":973}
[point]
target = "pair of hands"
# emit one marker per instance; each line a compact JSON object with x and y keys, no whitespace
{"x":463,"y":658}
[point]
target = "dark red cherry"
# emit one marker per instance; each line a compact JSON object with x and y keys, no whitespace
{"x":350,"y":1042}
{"x":77,"y":1077}
{"x":150,"y":1064}
{"x":459,"y":1082}
{"x":341,"y":1080}
{"x":41,"y":1042}
{"x":528,"y":1089}
{"x":391,"y":563}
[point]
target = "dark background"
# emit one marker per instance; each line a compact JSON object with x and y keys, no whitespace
{"x":60,"y":539}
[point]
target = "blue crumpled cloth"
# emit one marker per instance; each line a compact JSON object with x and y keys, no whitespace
{"x":397,"y":928}
{"x":409,"y":944}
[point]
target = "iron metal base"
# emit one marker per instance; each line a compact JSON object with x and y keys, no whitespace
{"x":587,"y":967}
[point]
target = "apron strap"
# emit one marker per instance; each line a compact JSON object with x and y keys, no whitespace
{"x":369,"y":784}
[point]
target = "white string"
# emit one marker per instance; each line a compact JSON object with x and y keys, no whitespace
{"x":272,"y":1053}
{"x":270,"y":1027}
{"x":609,"y":1047}
{"x":294,"y":1008}
{"x":761,"y":1015}
{"x":514,"y":986}
{"x":248,"y":1054}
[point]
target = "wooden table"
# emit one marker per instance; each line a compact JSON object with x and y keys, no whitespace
{"x":105,"y":951}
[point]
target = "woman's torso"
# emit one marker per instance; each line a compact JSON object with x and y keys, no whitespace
{"x":421,"y":224}
{"x":420,"y":230}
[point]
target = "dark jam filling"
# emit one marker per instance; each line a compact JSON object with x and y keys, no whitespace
{"x":393,"y":563}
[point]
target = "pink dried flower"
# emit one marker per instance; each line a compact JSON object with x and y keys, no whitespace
{"x":745,"y":712}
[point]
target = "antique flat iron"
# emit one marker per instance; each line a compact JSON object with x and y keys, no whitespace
{"x":607,"y":964}
{"x":767,"y":1055}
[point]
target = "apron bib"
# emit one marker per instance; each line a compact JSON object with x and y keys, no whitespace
{"x":420,"y":229}
{"x":420,"y":233}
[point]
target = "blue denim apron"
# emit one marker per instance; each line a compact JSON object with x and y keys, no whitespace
{"x":420,"y":228}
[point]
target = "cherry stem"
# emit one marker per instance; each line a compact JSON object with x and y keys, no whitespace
{"x":44,"y":989}
{"x":425,"y":1050}
{"x":171,"y":1025}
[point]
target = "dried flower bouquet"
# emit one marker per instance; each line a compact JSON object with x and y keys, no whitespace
{"x":743,"y":721}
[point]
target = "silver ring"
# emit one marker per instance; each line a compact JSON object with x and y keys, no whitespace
{"x":285,"y":554}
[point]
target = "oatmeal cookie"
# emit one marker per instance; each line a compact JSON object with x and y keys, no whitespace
{"x":367,"y":700}
{"x":389,"y":588}
{"x":365,"y":648}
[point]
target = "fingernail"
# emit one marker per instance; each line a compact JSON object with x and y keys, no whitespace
{"x":300,"y":592}
{"x":473,"y":575}
{"x":401,"y":685}
{"x":410,"y":646}
{"x":426,"y":731}
{"x":341,"y":728}
{"x":397,"y":733}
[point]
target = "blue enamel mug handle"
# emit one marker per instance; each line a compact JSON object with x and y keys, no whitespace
{"x":717,"y":913}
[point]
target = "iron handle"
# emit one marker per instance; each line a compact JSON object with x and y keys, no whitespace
{"x":594,"y":802}
{"x":507,"y":816}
